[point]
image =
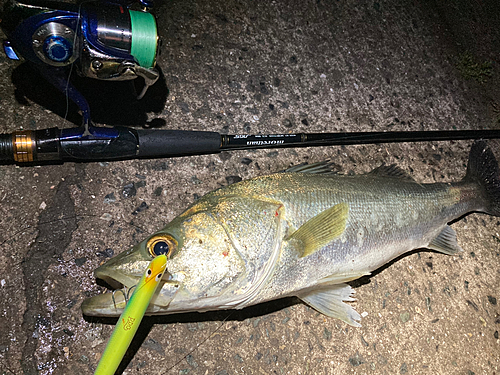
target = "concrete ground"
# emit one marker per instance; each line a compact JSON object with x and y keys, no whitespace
{"x":261,"y":67}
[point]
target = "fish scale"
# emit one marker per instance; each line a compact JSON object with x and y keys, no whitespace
{"x":361,"y":209}
{"x":303,"y":233}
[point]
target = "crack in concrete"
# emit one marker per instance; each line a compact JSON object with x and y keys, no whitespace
{"x":52,"y":240}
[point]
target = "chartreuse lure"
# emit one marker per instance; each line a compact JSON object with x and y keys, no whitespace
{"x":130,"y":319}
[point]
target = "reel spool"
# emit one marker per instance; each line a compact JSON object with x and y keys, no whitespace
{"x":106,"y":41}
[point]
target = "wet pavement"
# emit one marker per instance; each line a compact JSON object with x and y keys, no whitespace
{"x":261,"y":67}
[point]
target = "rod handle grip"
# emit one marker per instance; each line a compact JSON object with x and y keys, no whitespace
{"x":164,"y":143}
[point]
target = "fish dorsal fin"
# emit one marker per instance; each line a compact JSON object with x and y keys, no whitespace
{"x":322,"y":167}
{"x":391,"y":171}
{"x":321,"y":229}
{"x":446,"y":242}
{"x":330,"y":301}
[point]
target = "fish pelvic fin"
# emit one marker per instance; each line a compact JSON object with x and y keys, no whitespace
{"x":321,"y":229}
{"x":483,"y":170}
{"x":446,"y":242}
{"x":330,"y":301}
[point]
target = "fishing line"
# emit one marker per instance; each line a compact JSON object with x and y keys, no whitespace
{"x":209,"y":336}
{"x":75,"y":39}
{"x":67,"y":95}
{"x":144,"y":38}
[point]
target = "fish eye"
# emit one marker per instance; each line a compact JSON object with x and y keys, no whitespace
{"x":161,"y":244}
{"x":158,"y":277}
{"x":161,"y":247}
{"x":149,"y":271}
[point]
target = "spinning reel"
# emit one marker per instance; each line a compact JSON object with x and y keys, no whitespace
{"x":102,"y":40}
{"x":115,"y":41}
{"x":106,"y":41}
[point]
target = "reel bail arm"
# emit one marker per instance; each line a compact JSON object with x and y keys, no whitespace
{"x":104,"y":40}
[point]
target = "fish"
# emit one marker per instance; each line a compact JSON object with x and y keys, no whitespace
{"x":131,"y":317}
{"x":305,"y":232}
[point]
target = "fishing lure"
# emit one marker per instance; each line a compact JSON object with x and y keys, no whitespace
{"x":131,"y":317}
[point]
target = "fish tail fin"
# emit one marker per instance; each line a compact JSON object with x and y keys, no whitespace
{"x":483,"y":170}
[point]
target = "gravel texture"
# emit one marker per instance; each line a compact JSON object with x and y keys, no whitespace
{"x":261,"y":67}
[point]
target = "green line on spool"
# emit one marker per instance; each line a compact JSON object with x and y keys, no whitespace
{"x":144,"y":38}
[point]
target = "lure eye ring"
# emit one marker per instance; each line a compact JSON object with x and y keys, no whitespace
{"x":161,"y":244}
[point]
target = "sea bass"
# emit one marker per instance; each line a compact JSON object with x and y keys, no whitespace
{"x":303,"y":232}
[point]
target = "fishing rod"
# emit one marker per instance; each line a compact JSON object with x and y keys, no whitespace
{"x":117,"y":41}
{"x":49,"y":145}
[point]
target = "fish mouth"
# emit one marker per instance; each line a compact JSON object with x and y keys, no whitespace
{"x":112,"y":302}
{"x":116,"y":280}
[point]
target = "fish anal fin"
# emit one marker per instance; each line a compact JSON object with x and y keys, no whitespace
{"x":342,"y":277}
{"x":330,"y":301}
{"x":446,"y":242}
{"x":321,"y":229}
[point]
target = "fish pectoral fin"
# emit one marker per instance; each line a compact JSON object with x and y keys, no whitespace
{"x":330,"y":301}
{"x":446,"y":242}
{"x":321,"y":229}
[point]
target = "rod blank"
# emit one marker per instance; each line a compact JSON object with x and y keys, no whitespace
{"x":231,"y":142}
{"x":55,"y":145}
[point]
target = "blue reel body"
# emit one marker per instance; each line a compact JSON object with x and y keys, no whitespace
{"x":31,"y":29}
{"x":97,"y":37}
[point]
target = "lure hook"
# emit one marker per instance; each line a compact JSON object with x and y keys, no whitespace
{"x":113,"y":296}
{"x":126,"y":294}
{"x":128,"y":291}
